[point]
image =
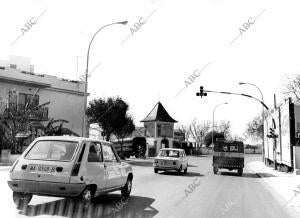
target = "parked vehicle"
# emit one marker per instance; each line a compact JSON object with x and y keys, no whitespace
{"x":228,"y":155}
{"x":283,"y":150}
{"x":171,"y":159}
{"x":68,"y":167}
{"x":131,"y":147}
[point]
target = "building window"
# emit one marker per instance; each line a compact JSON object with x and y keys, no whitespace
{"x":26,"y":99}
{"x":12,"y":100}
{"x":13,"y":66}
{"x":158,"y":130}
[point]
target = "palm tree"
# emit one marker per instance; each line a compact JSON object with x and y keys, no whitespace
{"x":51,"y":130}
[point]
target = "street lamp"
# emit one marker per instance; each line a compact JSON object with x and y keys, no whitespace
{"x":213,"y":121}
{"x":86,"y":76}
{"x":263,"y":128}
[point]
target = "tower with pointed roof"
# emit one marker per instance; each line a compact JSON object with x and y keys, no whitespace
{"x":159,"y":129}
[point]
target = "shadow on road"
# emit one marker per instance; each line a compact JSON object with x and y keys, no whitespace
{"x":104,"y":206}
{"x":174,"y":173}
{"x":141,"y":163}
{"x":247,"y":175}
{"x":190,"y":165}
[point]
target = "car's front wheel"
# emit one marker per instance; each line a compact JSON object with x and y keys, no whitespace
{"x":87,"y":195}
{"x":21,"y":199}
{"x":179,"y":170}
{"x":185,"y":170}
{"x":240,"y":171}
{"x":155,"y":170}
{"x":127,"y":188}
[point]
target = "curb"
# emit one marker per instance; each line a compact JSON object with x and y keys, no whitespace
{"x":258,"y":175}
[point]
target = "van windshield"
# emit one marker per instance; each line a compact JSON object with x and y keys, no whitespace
{"x":52,"y":150}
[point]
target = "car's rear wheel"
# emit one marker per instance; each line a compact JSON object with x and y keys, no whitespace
{"x":185,"y":170}
{"x":155,"y":170}
{"x":127,"y":188}
{"x":240,"y":171}
{"x":21,"y":199}
{"x":216,"y":169}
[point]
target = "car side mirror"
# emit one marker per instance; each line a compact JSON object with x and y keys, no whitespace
{"x":92,"y":157}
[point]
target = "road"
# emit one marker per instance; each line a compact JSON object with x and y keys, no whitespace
{"x":199,"y":193}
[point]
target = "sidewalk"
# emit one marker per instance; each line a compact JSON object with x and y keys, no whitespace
{"x":4,"y":168}
{"x":286,"y":185}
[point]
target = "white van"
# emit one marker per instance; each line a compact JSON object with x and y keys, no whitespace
{"x":67,"y":166}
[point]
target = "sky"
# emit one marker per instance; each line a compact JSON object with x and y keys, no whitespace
{"x":152,"y":58}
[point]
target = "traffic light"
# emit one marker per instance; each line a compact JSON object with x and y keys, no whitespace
{"x":201,"y":93}
{"x":272,"y":133}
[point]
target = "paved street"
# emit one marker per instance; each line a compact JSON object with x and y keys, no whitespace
{"x":199,"y":193}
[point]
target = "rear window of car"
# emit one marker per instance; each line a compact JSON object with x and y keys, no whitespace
{"x":52,"y":150}
{"x":168,"y":153}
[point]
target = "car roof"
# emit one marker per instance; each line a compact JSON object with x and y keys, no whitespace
{"x":70,"y":138}
{"x":172,"y":149}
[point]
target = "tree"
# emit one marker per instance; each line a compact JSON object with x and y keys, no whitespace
{"x":111,"y":115}
{"x":293,"y":87}
{"x":208,"y":137}
{"x":52,"y":130}
{"x":224,"y":128}
{"x":198,"y":130}
{"x":125,"y":127}
{"x":237,"y":138}
{"x":254,"y":129}
{"x":184,"y":130}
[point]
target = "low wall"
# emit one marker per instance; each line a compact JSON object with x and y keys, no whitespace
{"x":200,"y":151}
{"x":8,"y":159}
{"x":252,"y":151}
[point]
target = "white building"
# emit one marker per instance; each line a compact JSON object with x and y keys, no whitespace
{"x":159,"y":129}
{"x":18,"y":83}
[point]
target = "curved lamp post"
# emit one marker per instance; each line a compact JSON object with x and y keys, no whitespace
{"x":263,"y":129}
{"x":86,"y":75}
{"x":213,"y":122}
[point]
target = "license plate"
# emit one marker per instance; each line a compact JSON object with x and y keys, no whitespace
{"x":42,"y":168}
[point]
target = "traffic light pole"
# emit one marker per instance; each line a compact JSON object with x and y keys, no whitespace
{"x":204,"y":93}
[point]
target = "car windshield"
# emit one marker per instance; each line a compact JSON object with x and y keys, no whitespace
{"x":52,"y":150}
{"x":168,"y":153}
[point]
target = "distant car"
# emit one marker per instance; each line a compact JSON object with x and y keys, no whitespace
{"x":68,"y":167}
{"x":171,"y":159}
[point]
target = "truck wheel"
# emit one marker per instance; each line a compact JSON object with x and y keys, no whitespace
{"x":21,"y":199}
{"x":155,"y":170}
{"x":240,"y":171}
{"x":216,"y":169}
{"x":125,"y":191}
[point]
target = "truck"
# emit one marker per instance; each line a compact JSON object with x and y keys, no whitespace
{"x":228,"y":155}
{"x":131,"y":147}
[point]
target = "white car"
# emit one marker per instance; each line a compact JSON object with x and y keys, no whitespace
{"x":66,"y":166}
{"x":171,"y":159}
